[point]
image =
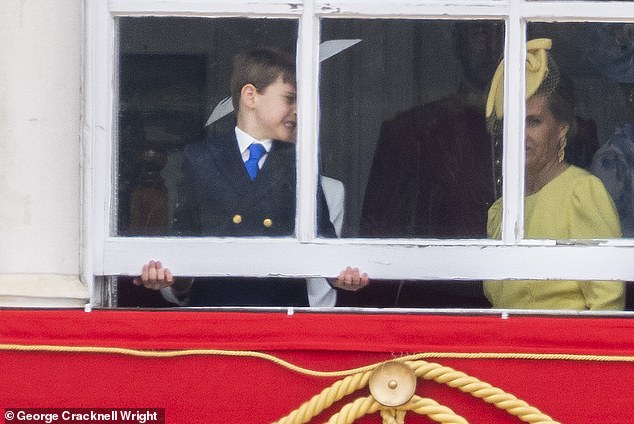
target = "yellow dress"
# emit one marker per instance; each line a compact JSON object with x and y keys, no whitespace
{"x":574,"y":205}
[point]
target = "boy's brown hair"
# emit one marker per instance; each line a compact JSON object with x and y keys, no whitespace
{"x":260,"y":67}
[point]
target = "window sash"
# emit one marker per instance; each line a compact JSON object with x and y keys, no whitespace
{"x":306,"y":255}
{"x":289,"y":257}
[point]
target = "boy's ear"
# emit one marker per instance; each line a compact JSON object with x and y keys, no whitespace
{"x":247,"y":95}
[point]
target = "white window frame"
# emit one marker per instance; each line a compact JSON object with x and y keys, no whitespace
{"x":511,"y":257}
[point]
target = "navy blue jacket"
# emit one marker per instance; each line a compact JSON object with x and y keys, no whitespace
{"x":218,"y":198}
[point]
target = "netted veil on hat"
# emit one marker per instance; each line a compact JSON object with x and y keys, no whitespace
{"x":542,"y":75}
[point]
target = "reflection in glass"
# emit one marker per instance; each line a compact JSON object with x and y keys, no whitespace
{"x":172,"y":72}
{"x":611,"y":53}
{"x":402,"y":126}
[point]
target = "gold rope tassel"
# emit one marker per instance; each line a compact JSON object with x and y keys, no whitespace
{"x":427,"y":371}
{"x":393,"y":416}
{"x":423,"y":406}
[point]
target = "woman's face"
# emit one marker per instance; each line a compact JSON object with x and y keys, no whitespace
{"x":543,"y":135}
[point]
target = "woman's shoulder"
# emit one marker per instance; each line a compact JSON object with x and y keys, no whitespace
{"x":580,"y":180}
{"x":574,"y":172}
{"x":591,"y":203}
{"x":575,"y":187}
{"x":588,"y":192}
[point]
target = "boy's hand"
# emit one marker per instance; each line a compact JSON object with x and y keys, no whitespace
{"x":154,"y":276}
{"x":351,"y":279}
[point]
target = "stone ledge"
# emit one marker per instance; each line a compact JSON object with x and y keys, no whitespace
{"x":42,"y":290}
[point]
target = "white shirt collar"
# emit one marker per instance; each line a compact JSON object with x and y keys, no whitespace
{"x":245,"y":140}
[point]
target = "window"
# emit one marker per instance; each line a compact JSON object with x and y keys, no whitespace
{"x":155,"y":70}
{"x":173,"y":72}
{"x":402,"y":125}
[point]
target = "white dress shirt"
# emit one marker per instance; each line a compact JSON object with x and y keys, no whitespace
{"x":245,"y":140}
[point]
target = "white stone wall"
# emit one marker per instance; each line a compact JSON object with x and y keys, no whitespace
{"x":40,"y":114}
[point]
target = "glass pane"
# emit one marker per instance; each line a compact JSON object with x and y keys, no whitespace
{"x":403,"y":125}
{"x":576,"y":79}
{"x":403,"y":128}
{"x":173,"y":73}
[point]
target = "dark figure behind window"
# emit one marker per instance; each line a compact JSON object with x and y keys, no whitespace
{"x":433,"y":174}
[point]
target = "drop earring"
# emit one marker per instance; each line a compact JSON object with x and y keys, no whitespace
{"x":561,"y":153}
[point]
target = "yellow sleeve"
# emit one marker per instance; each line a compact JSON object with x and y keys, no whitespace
{"x":594,"y":216}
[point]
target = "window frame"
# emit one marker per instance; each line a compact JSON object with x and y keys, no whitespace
{"x":512,"y":257}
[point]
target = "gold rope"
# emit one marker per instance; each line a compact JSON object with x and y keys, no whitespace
{"x":301,"y":370}
{"x":357,"y":378}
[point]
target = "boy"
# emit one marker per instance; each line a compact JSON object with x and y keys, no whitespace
{"x":243,"y":184}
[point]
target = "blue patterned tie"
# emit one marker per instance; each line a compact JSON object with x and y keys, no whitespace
{"x":256,"y":150}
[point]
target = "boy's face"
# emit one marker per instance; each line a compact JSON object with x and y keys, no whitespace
{"x":275,"y":112}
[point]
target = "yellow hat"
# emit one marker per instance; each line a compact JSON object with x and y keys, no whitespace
{"x":536,"y":71}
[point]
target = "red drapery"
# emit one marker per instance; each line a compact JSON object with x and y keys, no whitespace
{"x":215,"y":389}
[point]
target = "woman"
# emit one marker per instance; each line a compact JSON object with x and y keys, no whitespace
{"x":562,"y":201}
